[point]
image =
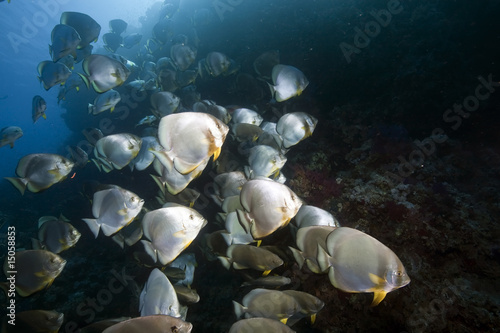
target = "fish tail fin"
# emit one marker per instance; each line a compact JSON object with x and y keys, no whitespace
{"x":324,"y":259}
{"x":91,"y":108}
{"x":298,"y":255}
{"x":19,"y":183}
{"x":271,"y":88}
{"x":225,"y":261}
{"x":239,"y":309}
{"x":94,"y":227}
{"x":85,"y":79}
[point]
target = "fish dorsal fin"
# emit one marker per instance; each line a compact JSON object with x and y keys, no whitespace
{"x":44,"y":219}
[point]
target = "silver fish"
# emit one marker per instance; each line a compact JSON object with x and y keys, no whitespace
{"x":113,"y":209}
{"x":8,"y":135}
{"x":158,"y":296}
{"x":105,"y":101}
{"x":52,"y":73}
{"x":38,"y":172}
{"x":65,"y":40}
{"x":103,"y":73}
{"x":288,"y":82}
{"x":86,"y":26}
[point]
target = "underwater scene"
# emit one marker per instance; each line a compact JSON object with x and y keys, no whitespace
{"x":250,"y":166}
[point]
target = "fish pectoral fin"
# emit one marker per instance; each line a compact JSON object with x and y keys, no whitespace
{"x":122,"y":212}
{"x":217,"y":153}
{"x":284,"y":320}
{"x":266,"y":273}
{"x":377,"y":280}
{"x":40,"y":274}
{"x":44,"y":116}
{"x":378,"y":296}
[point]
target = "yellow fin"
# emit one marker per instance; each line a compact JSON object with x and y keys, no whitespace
{"x":259,"y":242}
{"x":377,"y":280}
{"x":112,"y":109}
{"x":284,"y":320}
{"x":266,"y":273}
{"x":313,"y":318}
{"x":122,"y":212}
{"x":378,"y":296}
{"x":217,"y":153}
{"x":44,"y":116}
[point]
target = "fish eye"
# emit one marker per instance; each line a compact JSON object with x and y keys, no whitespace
{"x":191,"y":217}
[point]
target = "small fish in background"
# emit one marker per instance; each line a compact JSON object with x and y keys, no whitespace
{"x":216,"y":63}
{"x":78,"y":156}
{"x":38,"y":172}
{"x":64,"y":40}
{"x":164,"y":103}
{"x":131,"y":40}
{"x":105,"y":101}
{"x":40,"y":321}
{"x":288,"y":82}
{"x":52,"y":73}
{"x":183,"y":56}
{"x":92,"y":135}
{"x":86,"y":26}
{"x":112,"y":41}
{"x":8,"y":135}
{"x":148,"y":120}
{"x":240,"y":256}
{"x":36,"y":270}
{"x":264,"y":63}
{"x":39,"y":106}
{"x":103,"y":73}
{"x":55,"y":234}
{"x":118,"y":26}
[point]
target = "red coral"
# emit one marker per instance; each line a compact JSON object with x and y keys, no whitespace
{"x":316,"y":187}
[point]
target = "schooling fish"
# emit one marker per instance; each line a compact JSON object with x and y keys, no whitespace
{"x":38,"y":172}
{"x":56,"y":235}
{"x":103,"y":73}
{"x":38,"y":108}
{"x":36,"y":270}
{"x":359,"y":263}
{"x":86,"y":26}
{"x":8,"y":135}
{"x":65,"y":40}
{"x":118,"y":26}
{"x":288,"y":82}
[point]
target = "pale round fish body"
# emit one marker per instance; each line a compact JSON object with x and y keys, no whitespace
{"x":171,"y":178}
{"x":308,"y":240}
{"x":57,"y":236}
{"x":86,"y":26}
{"x":249,"y":256}
{"x":36,"y":269}
{"x":295,"y":127}
{"x":38,"y":108}
{"x":266,"y":303}
{"x":216,"y":63}
{"x":65,"y":40}
{"x":171,"y":230}
{"x":288,"y":82}
{"x":310,"y":215}
{"x":361,"y":263}
{"x":268,"y":205}
{"x":309,"y":305}
{"x":235,"y":232}
{"x":105,"y":101}
{"x":229,"y":183}
{"x":150,"y":324}
{"x":38,"y":321}
{"x":118,"y":149}
{"x":8,"y":135}
{"x":265,"y":161}
{"x":243,"y":115}
{"x":104,"y":73}
{"x":182,"y":55}
{"x":190,"y":138}
{"x":40,"y":171}
{"x":113,"y":209}
{"x":145,"y":157}
{"x":52,"y":73}
{"x":265,"y":63}
{"x":164,"y":103}
{"x":260,"y":325}
{"x":158,"y":296}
